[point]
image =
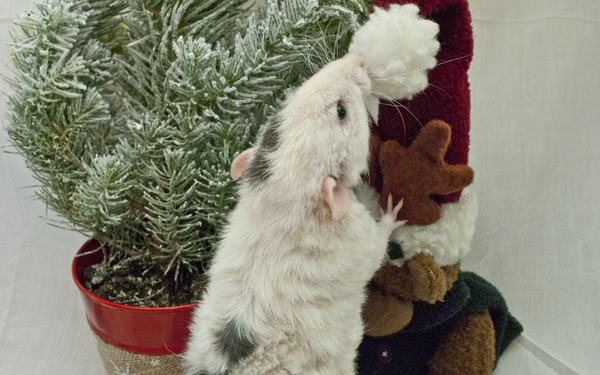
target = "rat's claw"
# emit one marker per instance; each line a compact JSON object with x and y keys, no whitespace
{"x":393,"y":211}
{"x":398,"y":207}
{"x":398,"y":224}
{"x":389,"y":209}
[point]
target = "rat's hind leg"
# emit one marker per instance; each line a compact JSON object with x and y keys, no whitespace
{"x":214,"y":346}
{"x":277,"y":357}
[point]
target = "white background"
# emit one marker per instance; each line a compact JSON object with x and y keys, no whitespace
{"x":535,"y":149}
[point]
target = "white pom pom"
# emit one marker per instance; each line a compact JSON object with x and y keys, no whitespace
{"x":399,"y":48}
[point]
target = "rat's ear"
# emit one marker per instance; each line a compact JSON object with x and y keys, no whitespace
{"x":336,"y":197}
{"x":241,"y":163}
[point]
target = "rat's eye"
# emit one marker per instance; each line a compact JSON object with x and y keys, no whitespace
{"x":341,"y":111}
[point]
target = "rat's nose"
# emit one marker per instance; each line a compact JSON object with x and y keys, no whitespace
{"x":355,"y":59}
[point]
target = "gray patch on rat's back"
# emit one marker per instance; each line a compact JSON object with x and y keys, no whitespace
{"x":235,"y":342}
{"x":260,"y":168}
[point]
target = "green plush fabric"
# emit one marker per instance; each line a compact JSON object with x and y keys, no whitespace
{"x":471,"y":294}
{"x":485,"y":296}
{"x":395,"y":251}
{"x":428,"y":316}
{"x":409,"y":350}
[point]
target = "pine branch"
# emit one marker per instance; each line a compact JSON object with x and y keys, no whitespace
{"x":130,"y":112}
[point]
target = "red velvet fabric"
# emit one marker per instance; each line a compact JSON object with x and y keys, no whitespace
{"x":447,"y":97}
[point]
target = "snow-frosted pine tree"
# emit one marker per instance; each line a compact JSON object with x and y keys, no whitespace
{"x":130,"y":112}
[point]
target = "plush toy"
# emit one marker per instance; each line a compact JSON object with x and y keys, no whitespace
{"x":424,"y":315}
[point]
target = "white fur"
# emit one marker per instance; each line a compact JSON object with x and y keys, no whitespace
{"x":373,"y":107}
{"x":399,"y":48}
{"x":448,"y":240}
{"x":285,"y":269}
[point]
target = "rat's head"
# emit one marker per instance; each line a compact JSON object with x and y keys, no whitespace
{"x":317,"y":145}
{"x":322,"y":130}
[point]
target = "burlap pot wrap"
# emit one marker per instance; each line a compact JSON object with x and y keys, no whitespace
{"x":120,"y":362}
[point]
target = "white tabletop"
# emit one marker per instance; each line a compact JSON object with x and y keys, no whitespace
{"x":535,"y":149}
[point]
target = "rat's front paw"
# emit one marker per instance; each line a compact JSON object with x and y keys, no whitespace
{"x":390,"y":216}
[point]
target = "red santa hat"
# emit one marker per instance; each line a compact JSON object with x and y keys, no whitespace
{"x":443,"y":96}
{"x":447,"y":95}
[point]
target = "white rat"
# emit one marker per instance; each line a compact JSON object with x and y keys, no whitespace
{"x":287,"y":281}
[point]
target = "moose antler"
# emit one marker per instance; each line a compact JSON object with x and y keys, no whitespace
{"x":419,"y":171}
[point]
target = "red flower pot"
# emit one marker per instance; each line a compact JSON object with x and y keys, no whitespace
{"x":143,"y":330}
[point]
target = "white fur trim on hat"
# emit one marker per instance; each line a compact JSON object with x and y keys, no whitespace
{"x":399,"y":48}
